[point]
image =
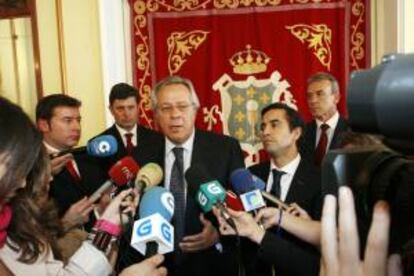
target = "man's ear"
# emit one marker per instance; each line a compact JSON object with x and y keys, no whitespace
{"x":337,"y":96}
{"x":43,"y":125}
{"x":297,"y":131}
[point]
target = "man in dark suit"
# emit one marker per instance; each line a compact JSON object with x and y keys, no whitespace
{"x":75,"y":176}
{"x":134,"y":140}
{"x":324,"y":131}
{"x":292,"y":179}
{"x":197,"y":250}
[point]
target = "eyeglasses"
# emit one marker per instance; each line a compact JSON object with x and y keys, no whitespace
{"x":168,"y":109}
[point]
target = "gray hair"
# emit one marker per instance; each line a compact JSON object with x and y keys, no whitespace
{"x":170,"y":80}
{"x":325,"y":76}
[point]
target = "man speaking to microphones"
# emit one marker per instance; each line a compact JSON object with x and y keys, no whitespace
{"x":152,"y":233}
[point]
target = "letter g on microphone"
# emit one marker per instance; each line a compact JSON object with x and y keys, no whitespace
{"x":144,"y":228}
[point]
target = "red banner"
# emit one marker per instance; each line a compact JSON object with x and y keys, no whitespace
{"x":243,"y":55}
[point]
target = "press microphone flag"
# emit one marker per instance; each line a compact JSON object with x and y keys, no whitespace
{"x":120,"y":174}
{"x":233,"y":201}
{"x":210,"y":194}
{"x":153,"y":233}
{"x":101,"y":146}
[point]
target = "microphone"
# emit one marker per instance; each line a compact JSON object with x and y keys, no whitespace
{"x":153,"y":233}
{"x":243,"y":181}
{"x":233,"y":201}
{"x":210,"y":192}
{"x":120,"y":174}
{"x":248,"y":188}
{"x":148,"y":176}
{"x":101,"y":146}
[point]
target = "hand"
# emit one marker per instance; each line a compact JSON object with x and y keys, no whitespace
{"x":59,"y":162}
{"x":245,"y":224}
{"x":148,"y":267}
{"x":343,"y":258}
{"x":268,"y":217}
{"x":77,"y":214}
{"x":205,"y":239}
{"x":121,"y":202}
{"x":296,"y":210}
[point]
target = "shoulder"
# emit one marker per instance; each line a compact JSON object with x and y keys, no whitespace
{"x":213,"y":137}
{"x":260,"y":168}
{"x":148,"y":132}
{"x":109,"y":131}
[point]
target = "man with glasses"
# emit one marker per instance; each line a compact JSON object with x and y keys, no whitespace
{"x":175,"y":105}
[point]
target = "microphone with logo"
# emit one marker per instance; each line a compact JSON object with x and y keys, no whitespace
{"x":248,"y":186}
{"x":101,"y":146}
{"x":243,"y":184}
{"x":148,"y":176}
{"x":209,"y":194}
{"x":153,"y":233}
{"x":120,"y":174}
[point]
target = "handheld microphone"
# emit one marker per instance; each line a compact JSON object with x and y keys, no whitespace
{"x":259,"y":184}
{"x":153,"y":233}
{"x":233,"y":201}
{"x":248,"y":188}
{"x":101,"y":146}
{"x":120,"y":174}
{"x":210,"y":192}
{"x":148,"y":176}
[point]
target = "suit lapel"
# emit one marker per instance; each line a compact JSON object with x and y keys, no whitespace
{"x":296,"y":187}
{"x":340,"y":128}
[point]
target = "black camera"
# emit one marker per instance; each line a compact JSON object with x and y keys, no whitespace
{"x":380,"y":101}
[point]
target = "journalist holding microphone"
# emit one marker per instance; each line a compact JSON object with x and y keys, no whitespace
{"x":26,"y":245}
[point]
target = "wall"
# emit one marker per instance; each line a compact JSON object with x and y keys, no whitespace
{"x":71,"y":57}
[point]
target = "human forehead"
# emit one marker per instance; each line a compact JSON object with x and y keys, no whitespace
{"x":174,"y":93}
{"x":274,"y":115}
{"x":319,"y":86}
{"x":130,"y":101}
{"x":66,"y":111}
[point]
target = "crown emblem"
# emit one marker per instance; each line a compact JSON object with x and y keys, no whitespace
{"x":249,"y":61}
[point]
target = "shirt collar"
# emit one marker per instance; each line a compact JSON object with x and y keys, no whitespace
{"x":187,"y":145}
{"x":332,"y":122}
{"x":290,"y":168}
{"x":50,"y":149}
{"x":122,"y":131}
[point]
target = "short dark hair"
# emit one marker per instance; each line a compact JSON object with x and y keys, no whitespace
{"x":46,"y":105}
{"x":122,"y":91}
{"x":293,"y":117}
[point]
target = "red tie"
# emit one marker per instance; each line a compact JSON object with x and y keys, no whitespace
{"x":70,"y":166}
{"x":322,"y":145}
{"x":129,"y":145}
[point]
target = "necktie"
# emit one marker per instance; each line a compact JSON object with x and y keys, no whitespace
{"x":277,"y":175}
{"x":70,"y":166}
{"x":322,"y":145}
{"x":178,"y":190}
{"x":129,"y":145}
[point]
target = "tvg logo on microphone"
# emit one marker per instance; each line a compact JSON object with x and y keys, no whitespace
{"x":214,"y":188}
{"x":104,"y":147}
{"x":202,"y":199}
{"x":144,"y":228}
{"x":166,"y":232}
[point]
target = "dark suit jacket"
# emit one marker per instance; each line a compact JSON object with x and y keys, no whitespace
{"x":288,"y":254}
{"x":219,"y":155}
{"x":66,"y":191}
{"x":308,"y":142}
{"x":149,"y":145}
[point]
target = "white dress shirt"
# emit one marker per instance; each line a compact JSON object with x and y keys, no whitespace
{"x":286,"y":179}
{"x":332,"y":122}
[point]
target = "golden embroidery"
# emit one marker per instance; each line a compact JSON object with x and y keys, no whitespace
{"x":307,"y":1}
{"x":357,"y":37}
{"x":221,"y":4}
{"x":209,"y":117}
{"x":182,"y":45}
{"x":318,"y":38}
{"x":249,"y":62}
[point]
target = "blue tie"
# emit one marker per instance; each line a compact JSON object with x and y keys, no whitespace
{"x":177,"y":187}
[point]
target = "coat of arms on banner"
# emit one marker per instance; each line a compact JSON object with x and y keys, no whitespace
{"x":243,"y":100}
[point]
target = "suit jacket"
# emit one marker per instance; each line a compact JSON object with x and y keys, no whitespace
{"x":219,"y":155}
{"x":308,"y":143}
{"x":66,"y":191}
{"x":149,"y":143}
{"x":288,"y":254}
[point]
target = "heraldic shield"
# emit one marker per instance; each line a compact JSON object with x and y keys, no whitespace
{"x":241,"y":104}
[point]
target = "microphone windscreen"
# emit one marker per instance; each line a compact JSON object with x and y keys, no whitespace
{"x":102,"y":146}
{"x":209,"y":195}
{"x":195,"y":176}
{"x":151,"y":175}
{"x":233,"y":201}
{"x":123,"y":171}
{"x":157,"y":200}
{"x":258,"y":183}
{"x":242,"y":181}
